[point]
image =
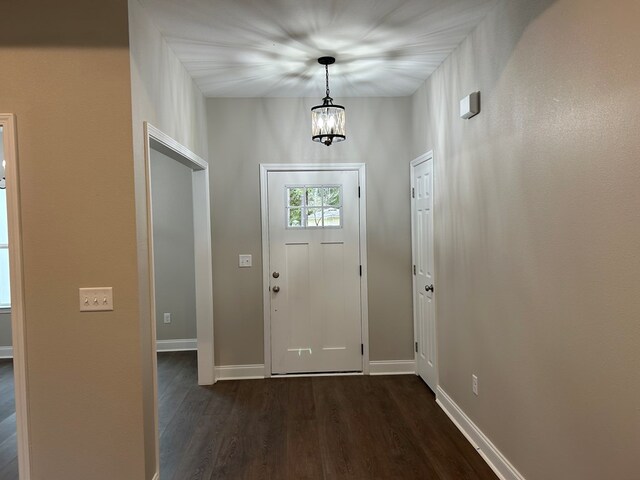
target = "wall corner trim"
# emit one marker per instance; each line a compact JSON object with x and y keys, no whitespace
{"x":177,"y":345}
{"x":487,"y":450}
{"x":392,"y":367}
{"x":239,"y":372}
{"x":6,"y":352}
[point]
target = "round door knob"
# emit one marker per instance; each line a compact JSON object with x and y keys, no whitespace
{"x":275,"y":274}
{"x":428,"y":288}
{"x":276,"y":289}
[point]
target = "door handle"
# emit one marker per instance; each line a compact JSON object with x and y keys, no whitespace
{"x":276,"y":289}
{"x":428,"y":288}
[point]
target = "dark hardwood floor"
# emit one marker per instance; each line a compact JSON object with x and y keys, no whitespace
{"x":356,"y":427}
{"x":290,"y":428}
{"x":8,"y":446}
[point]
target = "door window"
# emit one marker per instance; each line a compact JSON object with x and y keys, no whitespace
{"x":314,"y":206}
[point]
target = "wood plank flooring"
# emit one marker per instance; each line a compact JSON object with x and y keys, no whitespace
{"x":8,"y":445}
{"x":290,"y":428}
{"x":356,"y":427}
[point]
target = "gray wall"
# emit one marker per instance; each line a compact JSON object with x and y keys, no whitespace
{"x":538,"y":235}
{"x":174,"y":264}
{"x":162,"y":93}
{"x":5,"y":330}
{"x":246,"y":132}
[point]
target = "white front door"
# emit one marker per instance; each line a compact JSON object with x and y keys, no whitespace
{"x":314,"y":260}
{"x":423,"y":284}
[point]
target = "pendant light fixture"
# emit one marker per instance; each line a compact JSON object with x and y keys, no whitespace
{"x":327,"y":120}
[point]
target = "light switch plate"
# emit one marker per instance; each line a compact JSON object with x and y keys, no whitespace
{"x":96,"y":299}
{"x":244,"y":261}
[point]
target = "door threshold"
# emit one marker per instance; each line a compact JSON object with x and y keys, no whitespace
{"x":317,"y":374}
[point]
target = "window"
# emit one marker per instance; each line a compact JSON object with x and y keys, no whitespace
{"x":314,"y":206}
{"x":5,"y":291}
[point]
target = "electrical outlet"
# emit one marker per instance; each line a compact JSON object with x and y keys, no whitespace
{"x":167,"y":318}
{"x":474,"y":384}
{"x":244,"y":261}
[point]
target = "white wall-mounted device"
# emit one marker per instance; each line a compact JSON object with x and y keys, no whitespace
{"x":470,"y":105}
{"x":96,"y":299}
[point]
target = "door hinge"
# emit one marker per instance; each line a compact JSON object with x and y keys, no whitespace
{"x":362,"y":349}
{"x":416,"y":347}
{"x":360,"y":270}
{"x":413,"y":192}
{"x":414,"y":269}
{"x":358,"y":192}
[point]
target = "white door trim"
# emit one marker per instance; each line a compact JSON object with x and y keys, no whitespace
{"x":160,"y":141}
{"x":10,"y":142}
{"x":414,"y":163}
{"x":265,"y":168}
{"x":156,"y":139}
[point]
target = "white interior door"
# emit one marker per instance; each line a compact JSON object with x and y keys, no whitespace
{"x":423,"y":284}
{"x":314,"y":259}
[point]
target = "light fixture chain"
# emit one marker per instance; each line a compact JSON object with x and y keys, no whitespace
{"x":326,"y":69}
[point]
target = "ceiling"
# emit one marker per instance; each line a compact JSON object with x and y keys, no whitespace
{"x":269,"y":48}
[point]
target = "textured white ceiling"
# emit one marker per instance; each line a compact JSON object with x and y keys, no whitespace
{"x":269,"y":48}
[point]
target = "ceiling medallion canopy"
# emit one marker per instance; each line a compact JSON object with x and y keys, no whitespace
{"x":327,"y":120}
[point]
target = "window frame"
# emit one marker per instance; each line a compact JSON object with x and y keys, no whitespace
{"x":303,"y":207}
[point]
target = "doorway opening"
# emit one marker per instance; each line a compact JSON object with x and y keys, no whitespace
{"x":161,"y":145}
{"x":173,"y":253}
{"x":180,"y":268}
{"x":314,"y":269}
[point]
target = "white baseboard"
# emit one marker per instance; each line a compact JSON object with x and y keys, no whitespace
{"x":179,"y":345}
{"x":311,"y":375}
{"x":6,"y":352}
{"x":239,"y":372}
{"x":392,"y":367}
{"x":246,"y":372}
{"x":494,"y":458}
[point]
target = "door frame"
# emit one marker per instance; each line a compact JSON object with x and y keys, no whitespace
{"x":265,"y":168}
{"x":16,"y":273}
{"x":425,"y":157}
{"x":157,"y":140}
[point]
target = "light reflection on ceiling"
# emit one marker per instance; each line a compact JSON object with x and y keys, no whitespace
{"x":269,"y":48}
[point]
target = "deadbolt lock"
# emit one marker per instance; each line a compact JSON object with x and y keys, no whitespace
{"x":275,"y":274}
